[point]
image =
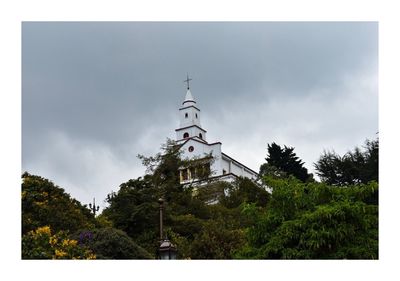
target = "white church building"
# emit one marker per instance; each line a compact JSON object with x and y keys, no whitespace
{"x":192,"y":139}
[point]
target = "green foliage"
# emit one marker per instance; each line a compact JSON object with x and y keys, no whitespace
{"x":44,"y":203}
{"x":186,"y":225}
{"x":103,"y":221}
{"x":111,"y":243}
{"x":133,"y":206}
{"x":352,"y":168}
{"x":199,"y":229}
{"x":244,"y":190}
{"x":269,"y":170}
{"x":163,"y":168}
{"x":214,"y":238}
{"x":41,"y":244}
{"x":134,"y":210}
{"x":182,"y":243}
{"x":314,"y":221}
{"x":216,"y":241}
{"x":212,"y":192}
{"x":281,"y":161}
{"x":216,"y":220}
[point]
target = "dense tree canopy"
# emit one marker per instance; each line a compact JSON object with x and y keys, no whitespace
{"x":200,"y":230}
{"x":203,"y":221}
{"x":314,"y":221}
{"x":45,"y":204}
{"x":283,"y":161}
{"x":358,"y":166}
{"x":296,"y":218}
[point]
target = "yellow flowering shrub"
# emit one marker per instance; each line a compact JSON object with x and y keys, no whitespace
{"x":59,"y":254}
{"x":45,"y":230}
{"x":41,"y":244}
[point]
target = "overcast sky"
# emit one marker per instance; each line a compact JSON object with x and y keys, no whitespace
{"x":94,"y":95}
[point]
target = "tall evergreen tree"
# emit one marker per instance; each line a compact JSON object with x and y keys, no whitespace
{"x":284,"y":160}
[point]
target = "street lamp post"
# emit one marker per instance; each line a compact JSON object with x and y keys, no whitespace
{"x":167,"y":250}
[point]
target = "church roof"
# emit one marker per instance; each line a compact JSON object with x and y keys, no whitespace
{"x":198,"y":140}
{"x":180,"y":129}
{"x":188,"y":97}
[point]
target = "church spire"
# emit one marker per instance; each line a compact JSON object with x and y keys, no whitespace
{"x":189,"y":100}
{"x":189,"y":126}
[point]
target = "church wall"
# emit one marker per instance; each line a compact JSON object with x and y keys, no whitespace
{"x":201,"y":150}
{"x":236,"y":169}
{"x":216,"y":167}
{"x":231,"y":166}
{"x":225,"y":166}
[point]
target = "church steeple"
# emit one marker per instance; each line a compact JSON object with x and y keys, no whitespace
{"x":189,"y":100}
{"x":189,"y":118}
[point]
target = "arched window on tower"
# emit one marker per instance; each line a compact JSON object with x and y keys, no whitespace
{"x":186,"y":115}
{"x":185,"y":135}
{"x":196,"y":115}
{"x":200,"y":136}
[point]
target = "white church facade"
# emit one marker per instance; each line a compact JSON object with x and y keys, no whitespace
{"x":192,"y":139}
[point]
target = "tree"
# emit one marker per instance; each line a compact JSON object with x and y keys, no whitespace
{"x":163,"y":168}
{"x":271,"y":171}
{"x":216,"y":241}
{"x":111,"y":243}
{"x":314,"y":221}
{"x":244,"y":190}
{"x":134,"y":208}
{"x":355,"y":167}
{"x":45,"y":204}
{"x":284,"y":160}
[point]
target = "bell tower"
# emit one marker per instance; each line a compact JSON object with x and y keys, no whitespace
{"x":189,"y":115}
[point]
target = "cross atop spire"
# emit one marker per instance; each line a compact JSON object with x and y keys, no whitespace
{"x":187,"y":81}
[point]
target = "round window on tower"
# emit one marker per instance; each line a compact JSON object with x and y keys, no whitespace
{"x":185,"y":135}
{"x":191,"y":148}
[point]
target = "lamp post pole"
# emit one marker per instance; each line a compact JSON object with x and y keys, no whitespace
{"x":167,"y":250}
{"x":161,"y":202}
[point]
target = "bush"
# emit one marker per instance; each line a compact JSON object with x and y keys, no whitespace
{"x":111,"y":243}
{"x":41,"y":244}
